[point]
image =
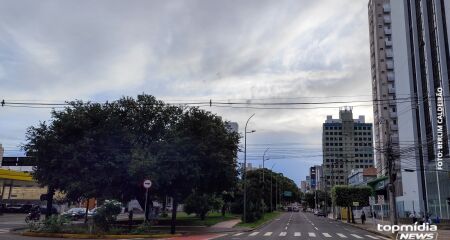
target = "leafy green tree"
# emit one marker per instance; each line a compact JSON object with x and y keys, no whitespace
{"x":199,"y":154}
{"x":43,"y":145}
{"x":344,"y":196}
{"x":309,"y":199}
{"x":201,"y":204}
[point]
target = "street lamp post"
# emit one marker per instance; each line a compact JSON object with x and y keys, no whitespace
{"x":271,"y":179}
{"x":245,"y":167}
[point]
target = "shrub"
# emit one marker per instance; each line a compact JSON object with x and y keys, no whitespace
{"x":142,"y":228}
{"x":107,"y":214}
{"x":54,"y":224}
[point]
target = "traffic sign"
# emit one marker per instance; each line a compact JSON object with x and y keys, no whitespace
{"x":380,"y":199}
{"x":371,"y":200}
{"x":355,"y":204}
{"x":147,"y":184}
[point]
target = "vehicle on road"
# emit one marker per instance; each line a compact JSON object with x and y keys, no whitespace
{"x":74,"y":213}
{"x":321,"y":214}
{"x":295,"y":209}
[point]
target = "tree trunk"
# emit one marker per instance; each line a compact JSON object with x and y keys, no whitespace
{"x":87,"y":210}
{"x":174,"y":215}
{"x":164,"y":208}
{"x":348,"y":214}
{"x":353,"y":217}
{"x":224,"y":207}
{"x":50,"y":193}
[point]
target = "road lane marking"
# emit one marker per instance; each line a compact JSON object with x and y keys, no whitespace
{"x":372,"y":237}
{"x":237,"y":234}
{"x":267,"y":233}
{"x":282,"y":234}
{"x":311,"y":234}
{"x":253,"y":234}
{"x":297,"y":234}
{"x":356,"y":236}
{"x":341,"y":235}
{"x":326,"y":234}
{"x":316,"y":228}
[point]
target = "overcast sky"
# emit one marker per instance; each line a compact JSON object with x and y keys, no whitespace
{"x":250,"y":51}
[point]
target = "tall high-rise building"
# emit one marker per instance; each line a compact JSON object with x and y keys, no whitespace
{"x":383,"y":82}
{"x":2,"y":151}
{"x":346,"y":145}
{"x":419,"y":40}
{"x":312,"y":174}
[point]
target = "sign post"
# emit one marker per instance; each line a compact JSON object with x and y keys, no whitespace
{"x":147,"y":184}
{"x":381,"y":202}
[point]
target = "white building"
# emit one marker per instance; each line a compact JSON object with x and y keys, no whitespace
{"x":420,"y":46}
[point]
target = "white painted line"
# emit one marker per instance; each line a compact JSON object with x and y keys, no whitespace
{"x":237,"y":234}
{"x":297,"y":234}
{"x":326,"y":234}
{"x":282,"y":234}
{"x":311,"y":234}
{"x":285,"y":228}
{"x":267,"y":233}
{"x":341,"y":235}
{"x":221,"y":235}
{"x":356,"y":236}
{"x":372,"y":237}
{"x":316,"y":228}
{"x":253,"y":234}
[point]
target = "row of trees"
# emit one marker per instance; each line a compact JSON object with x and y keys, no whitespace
{"x":106,"y":150}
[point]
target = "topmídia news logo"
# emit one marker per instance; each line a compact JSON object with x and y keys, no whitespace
{"x":423,"y":231}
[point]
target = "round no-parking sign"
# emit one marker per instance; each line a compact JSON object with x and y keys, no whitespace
{"x":147,"y":184}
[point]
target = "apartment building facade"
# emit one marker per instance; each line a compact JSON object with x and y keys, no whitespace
{"x":346,"y":145}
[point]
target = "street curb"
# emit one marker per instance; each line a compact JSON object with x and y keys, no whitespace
{"x":94,"y":236}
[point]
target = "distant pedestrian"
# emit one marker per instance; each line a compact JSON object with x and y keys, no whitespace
{"x":413,"y":216}
{"x":363,"y":217}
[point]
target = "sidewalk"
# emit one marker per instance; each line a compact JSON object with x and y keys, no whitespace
{"x":371,"y":226}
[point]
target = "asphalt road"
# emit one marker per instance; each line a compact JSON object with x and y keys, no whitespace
{"x":300,"y":225}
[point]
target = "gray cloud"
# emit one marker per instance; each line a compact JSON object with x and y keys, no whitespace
{"x":60,"y":50}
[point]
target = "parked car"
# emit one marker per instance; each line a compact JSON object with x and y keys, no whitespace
{"x":92,"y":212}
{"x":321,"y":214}
{"x":44,"y":209}
{"x":74,"y":213}
{"x":295,"y":209}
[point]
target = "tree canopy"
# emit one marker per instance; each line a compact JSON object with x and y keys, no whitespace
{"x":106,"y":150}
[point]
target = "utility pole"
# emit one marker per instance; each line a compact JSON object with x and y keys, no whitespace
{"x":245,"y":167}
{"x":271,"y":190}
{"x":391,"y":157}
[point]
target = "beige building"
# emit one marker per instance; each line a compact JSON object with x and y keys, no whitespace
{"x":346,"y":145}
{"x":383,"y":81}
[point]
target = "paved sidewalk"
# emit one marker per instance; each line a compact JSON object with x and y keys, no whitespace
{"x":371,"y":226}
{"x":226,"y":224}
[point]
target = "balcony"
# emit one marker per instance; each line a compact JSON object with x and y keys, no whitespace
{"x":390,"y":64}
{"x":387,"y":19}
{"x":387,"y":43}
{"x":394,"y":127}
{"x":389,"y":53}
{"x":387,"y":31}
{"x":392,"y":114}
{"x":394,"y":138}
{"x":390,"y":76}
{"x":386,"y":8}
{"x":391,"y":90}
